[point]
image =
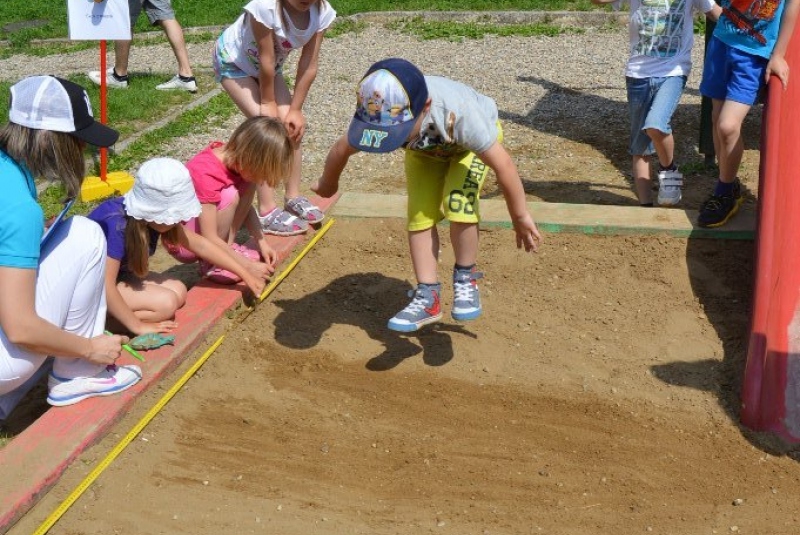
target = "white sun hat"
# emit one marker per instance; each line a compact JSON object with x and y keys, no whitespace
{"x":162,"y":193}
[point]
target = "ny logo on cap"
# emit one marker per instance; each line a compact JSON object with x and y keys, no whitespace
{"x":372,"y":138}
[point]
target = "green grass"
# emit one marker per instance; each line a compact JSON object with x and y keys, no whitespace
{"x":456,"y":31}
{"x":198,"y":13}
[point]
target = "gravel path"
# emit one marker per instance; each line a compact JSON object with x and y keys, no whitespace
{"x":535,"y":81}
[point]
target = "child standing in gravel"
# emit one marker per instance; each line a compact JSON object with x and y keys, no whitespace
{"x":748,"y":46}
{"x":452,"y":138}
{"x":161,"y":199}
{"x":661,"y":40}
{"x":248,"y":61}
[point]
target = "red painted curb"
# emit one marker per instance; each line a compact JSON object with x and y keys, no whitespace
{"x":40,"y":454}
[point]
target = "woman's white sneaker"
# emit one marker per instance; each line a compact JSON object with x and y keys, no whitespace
{"x":110,"y":381}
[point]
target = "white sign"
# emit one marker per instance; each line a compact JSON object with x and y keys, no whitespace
{"x":96,"y":20}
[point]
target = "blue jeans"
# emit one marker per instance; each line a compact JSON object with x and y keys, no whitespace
{"x":651,"y":103}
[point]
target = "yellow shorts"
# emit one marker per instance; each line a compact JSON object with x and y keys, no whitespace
{"x":444,"y":188}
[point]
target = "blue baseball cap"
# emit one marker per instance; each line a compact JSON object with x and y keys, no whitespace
{"x":390,"y":97}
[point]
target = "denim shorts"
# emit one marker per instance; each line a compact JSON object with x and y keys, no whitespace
{"x":224,"y":67}
{"x":730,"y":74}
{"x":651,"y":103}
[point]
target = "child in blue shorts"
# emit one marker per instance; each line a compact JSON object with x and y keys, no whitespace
{"x":748,"y":45}
{"x":452,"y":138}
{"x":661,"y":40}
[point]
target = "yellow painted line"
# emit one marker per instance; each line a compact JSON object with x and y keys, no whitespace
{"x":127,"y":439}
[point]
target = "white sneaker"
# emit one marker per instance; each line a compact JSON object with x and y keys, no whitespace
{"x":111,"y":79}
{"x":669,"y":187}
{"x":176,"y":83}
{"x":110,"y":381}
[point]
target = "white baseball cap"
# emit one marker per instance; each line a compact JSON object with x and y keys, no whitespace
{"x":51,"y":103}
{"x":163,"y":193}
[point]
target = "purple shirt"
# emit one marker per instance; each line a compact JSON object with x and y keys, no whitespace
{"x":111,"y":217}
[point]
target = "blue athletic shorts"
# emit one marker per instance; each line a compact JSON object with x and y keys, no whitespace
{"x":730,"y":74}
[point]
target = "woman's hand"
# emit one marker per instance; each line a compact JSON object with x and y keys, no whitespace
{"x":105,"y":349}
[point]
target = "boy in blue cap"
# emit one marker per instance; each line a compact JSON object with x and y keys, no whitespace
{"x":452,"y":138}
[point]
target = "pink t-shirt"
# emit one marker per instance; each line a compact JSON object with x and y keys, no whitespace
{"x":210,"y":176}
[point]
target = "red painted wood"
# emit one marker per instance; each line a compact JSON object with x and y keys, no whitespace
{"x":777,"y":277}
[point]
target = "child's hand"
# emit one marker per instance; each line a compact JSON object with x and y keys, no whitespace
{"x":157,"y":327}
{"x":260,"y":270}
{"x":777,"y":65}
{"x":256,"y":284}
{"x":269,"y":254}
{"x":325,"y":188}
{"x":528,"y":235}
{"x":295,"y":123}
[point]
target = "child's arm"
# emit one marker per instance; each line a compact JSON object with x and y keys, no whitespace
{"x":218,"y":256}
{"x":208,"y":229}
{"x":714,"y":13}
{"x":335,"y":162}
{"x":122,"y":312}
{"x":500,"y":161}
{"x":307,"y":66}
{"x":777,"y":62}
{"x":266,"y":71}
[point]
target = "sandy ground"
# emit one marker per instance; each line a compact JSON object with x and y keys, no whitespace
{"x":598,"y":394}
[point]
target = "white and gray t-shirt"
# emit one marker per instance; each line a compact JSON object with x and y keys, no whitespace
{"x":460,"y":118}
{"x":662,"y":36}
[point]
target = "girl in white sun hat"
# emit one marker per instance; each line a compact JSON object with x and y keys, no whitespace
{"x":52,"y":298}
{"x":161,"y":199}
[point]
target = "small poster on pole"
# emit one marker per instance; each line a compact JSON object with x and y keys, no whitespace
{"x":96,"y":20}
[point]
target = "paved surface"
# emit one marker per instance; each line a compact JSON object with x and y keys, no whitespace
{"x":36,"y":458}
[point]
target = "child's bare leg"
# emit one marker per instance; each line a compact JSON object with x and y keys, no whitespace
{"x":424,"y":247}
{"x":464,"y":237}
{"x":225,"y":220}
{"x":640,"y":168}
{"x":728,"y":133}
{"x":245,"y":93}
{"x":157,"y":298}
{"x":664,"y":145}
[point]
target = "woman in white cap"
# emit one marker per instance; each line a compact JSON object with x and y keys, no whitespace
{"x":52,"y":298}
{"x":162,"y":198}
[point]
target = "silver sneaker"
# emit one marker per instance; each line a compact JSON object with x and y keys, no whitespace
{"x":466,"y":298}
{"x":669,"y":187}
{"x":176,"y":83}
{"x":111,"y":79}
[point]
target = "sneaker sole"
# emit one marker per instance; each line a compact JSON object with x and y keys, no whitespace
{"x":670,"y":202}
{"x":732,"y":213}
{"x":411,"y":327}
{"x":466,"y":316}
{"x":285,"y":234}
{"x":63,"y":402}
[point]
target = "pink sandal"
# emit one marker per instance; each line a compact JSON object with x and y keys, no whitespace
{"x":218,"y":275}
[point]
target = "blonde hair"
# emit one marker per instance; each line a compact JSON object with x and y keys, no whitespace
{"x":261,"y":148}
{"x":137,"y":244}
{"x":54,"y":156}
